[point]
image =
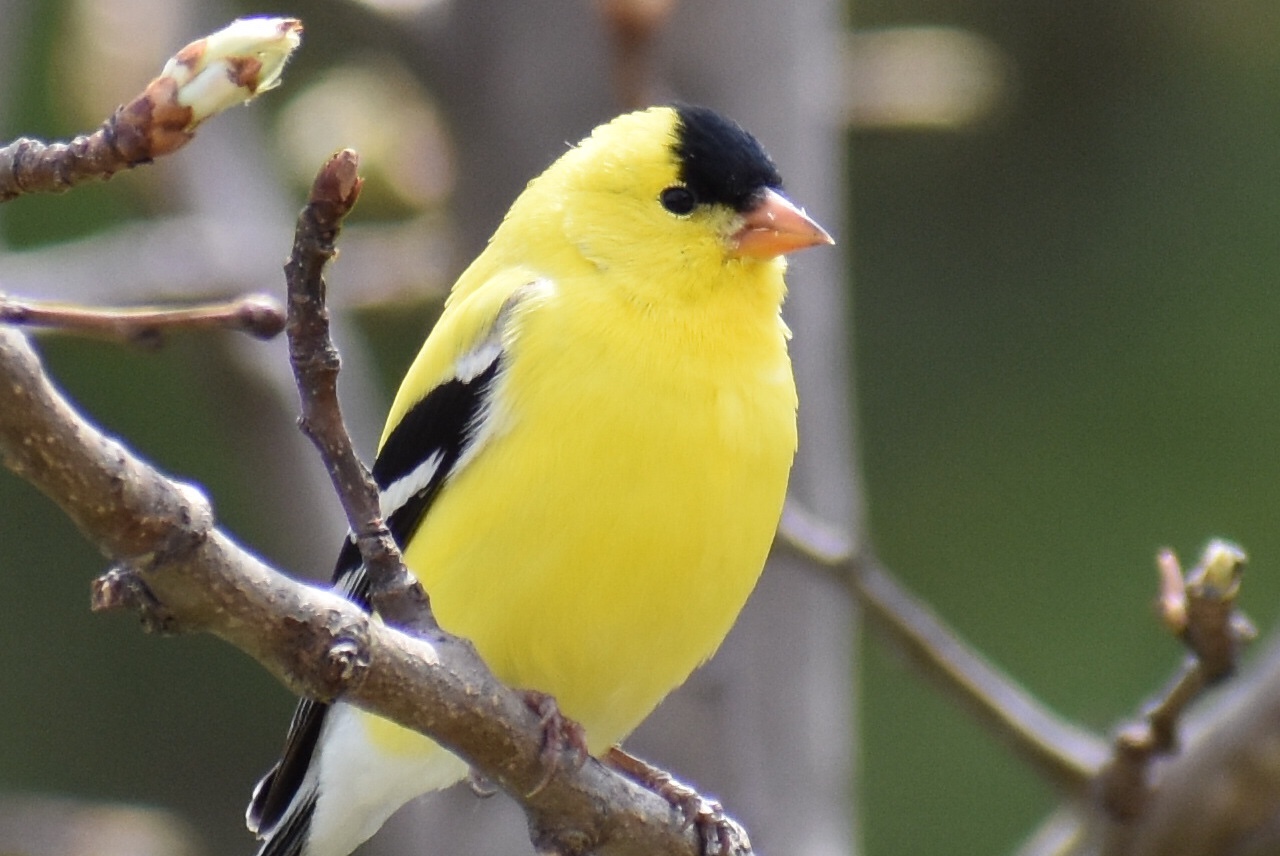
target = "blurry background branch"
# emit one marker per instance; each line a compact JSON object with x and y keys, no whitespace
{"x":1061,"y":754}
{"x":258,"y":316}
{"x":1117,"y":801}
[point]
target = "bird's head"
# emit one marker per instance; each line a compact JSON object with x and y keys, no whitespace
{"x":674,"y":195}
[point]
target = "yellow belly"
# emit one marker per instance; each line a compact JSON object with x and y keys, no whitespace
{"x":601,"y":544}
{"x":600,"y":572}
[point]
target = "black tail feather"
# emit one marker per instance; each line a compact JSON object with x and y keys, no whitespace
{"x":290,"y":837}
{"x":278,"y":789}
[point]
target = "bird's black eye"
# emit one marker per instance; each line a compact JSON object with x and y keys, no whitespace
{"x":678,"y":199}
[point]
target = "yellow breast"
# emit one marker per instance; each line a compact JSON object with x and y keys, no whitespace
{"x":601,"y":543}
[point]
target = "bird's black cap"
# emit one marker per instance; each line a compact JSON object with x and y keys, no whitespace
{"x":719,"y":161}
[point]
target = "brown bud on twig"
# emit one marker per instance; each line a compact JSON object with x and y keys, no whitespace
{"x":206,"y":77}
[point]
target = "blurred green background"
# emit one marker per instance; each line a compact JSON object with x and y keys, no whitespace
{"x":1066,"y":352}
{"x":1064,"y":336}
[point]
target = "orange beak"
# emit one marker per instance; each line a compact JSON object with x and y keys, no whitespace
{"x":773,"y":227}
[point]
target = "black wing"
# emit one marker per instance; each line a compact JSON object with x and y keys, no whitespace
{"x":413,"y":464}
{"x":419,"y":456}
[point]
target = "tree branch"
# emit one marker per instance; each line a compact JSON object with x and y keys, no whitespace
{"x":184,"y":574}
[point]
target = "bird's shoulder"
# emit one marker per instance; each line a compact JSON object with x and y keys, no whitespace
{"x":469,"y":336}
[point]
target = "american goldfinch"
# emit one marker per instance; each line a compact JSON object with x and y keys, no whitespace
{"x":587,"y":459}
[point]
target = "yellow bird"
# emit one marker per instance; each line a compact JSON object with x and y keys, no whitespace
{"x":586,"y":462}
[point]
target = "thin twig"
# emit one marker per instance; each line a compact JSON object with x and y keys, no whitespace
{"x":1063,"y":754}
{"x":394,"y":592}
{"x":1200,"y":609}
{"x":257,"y":315}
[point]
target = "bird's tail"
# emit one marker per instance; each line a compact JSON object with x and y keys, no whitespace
{"x":361,"y":770}
{"x":289,"y":837}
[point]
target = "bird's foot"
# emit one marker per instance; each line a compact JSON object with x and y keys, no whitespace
{"x":719,"y":834}
{"x":561,"y":737}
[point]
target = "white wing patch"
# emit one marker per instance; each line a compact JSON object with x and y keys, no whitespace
{"x":468,"y":366}
{"x":400,"y":491}
{"x":494,"y":417}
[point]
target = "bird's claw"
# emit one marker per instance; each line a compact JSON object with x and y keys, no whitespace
{"x":718,"y":834}
{"x":561,"y":737}
{"x":714,"y":826}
